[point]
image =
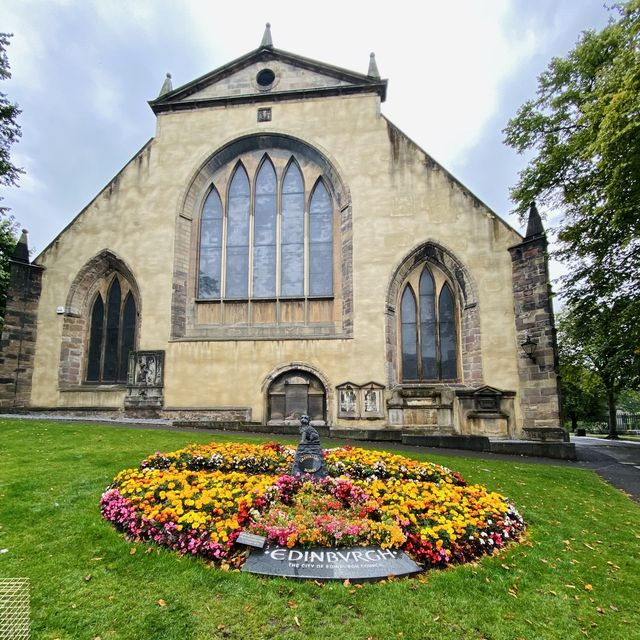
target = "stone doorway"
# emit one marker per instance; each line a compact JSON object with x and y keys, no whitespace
{"x":294,"y":393}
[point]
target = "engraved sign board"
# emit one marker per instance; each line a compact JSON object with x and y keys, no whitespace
{"x":251,"y":540}
{"x":352,"y":563}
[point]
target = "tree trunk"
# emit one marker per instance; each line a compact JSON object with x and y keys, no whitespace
{"x":574,"y":422}
{"x":611,"y":405}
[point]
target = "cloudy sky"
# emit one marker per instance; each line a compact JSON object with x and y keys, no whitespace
{"x":83,"y":71}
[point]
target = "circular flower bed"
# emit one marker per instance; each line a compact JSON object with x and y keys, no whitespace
{"x":197,"y":500}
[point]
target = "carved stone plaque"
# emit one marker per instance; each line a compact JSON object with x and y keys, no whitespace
{"x":296,"y":399}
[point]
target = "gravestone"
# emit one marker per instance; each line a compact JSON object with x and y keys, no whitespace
{"x":309,"y":460}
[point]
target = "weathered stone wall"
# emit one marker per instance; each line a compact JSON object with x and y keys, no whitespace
{"x":18,"y":342}
{"x":399,"y":198}
{"x":539,"y":399}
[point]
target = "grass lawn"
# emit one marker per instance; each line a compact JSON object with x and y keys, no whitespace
{"x":576,"y":575}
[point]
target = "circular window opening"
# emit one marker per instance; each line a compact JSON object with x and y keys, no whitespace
{"x":265,"y":78}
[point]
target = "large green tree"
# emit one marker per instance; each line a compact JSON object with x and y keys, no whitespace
{"x":583,"y":395}
{"x":9,"y":172}
{"x":584,"y":130}
{"x":601,"y":339}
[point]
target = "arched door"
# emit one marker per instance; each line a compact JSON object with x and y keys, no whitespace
{"x":294,"y":393}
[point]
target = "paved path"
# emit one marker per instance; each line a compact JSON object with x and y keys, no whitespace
{"x":616,"y":461}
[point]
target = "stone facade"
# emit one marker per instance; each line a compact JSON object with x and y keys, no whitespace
{"x":394,"y":211}
{"x":539,"y":385}
{"x":19,"y":333}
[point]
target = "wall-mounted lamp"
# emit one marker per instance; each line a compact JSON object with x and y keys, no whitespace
{"x":529,"y":347}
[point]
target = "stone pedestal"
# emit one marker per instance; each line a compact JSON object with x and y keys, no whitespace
{"x":309,"y":461}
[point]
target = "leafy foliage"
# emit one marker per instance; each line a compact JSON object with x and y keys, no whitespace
{"x":9,"y":127}
{"x":601,"y":342}
{"x":584,"y":126}
{"x":9,"y":173}
{"x":582,"y":390}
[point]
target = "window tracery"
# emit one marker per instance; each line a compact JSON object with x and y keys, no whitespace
{"x":428,"y":328}
{"x":270,"y":236}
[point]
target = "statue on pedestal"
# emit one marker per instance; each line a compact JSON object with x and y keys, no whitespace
{"x":309,"y":460}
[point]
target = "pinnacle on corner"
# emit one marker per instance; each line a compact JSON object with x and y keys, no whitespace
{"x":266,"y":38}
{"x":21,"y":252}
{"x":373,"y":67}
{"x":534,"y":224}
{"x":166,"y":85}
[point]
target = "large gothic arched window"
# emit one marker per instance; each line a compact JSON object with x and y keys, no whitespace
{"x":112,"y":332}
{"x":266,"y":233}
{"x":428,"y":333}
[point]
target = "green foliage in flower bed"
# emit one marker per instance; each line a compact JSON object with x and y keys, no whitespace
{"x":575,"y":575}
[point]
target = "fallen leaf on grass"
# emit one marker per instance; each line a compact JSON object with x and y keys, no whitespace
{"x":132,"y":550}
{"x":292,"y":604}
{"x":600,"y":610}
{"x":589,"y":546}
{"x":295,"y":619}
{"x":97,"y":558}
{"x":220,"y":627}
{"x":346,"y":583}
{"x":553,"y":593}
{"x":588,"y":587}
{"x":436,"y":619}
{"x":613,"y":608}
{"x":87,"y":578}
{"x":162,"y":603}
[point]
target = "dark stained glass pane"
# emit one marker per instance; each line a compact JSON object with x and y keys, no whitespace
{"x":448,"y":366}
{"x":238,"y":236}
{"x":409,"y":335}
{"x":127,"y":336}
{"x":209,"y":280}
{"x":292,"y":233}
{"x":320,"y":242}
{"x":95,"y":340}
{"x":264,"y":234}
{"x":110,"y":366}
{"x":292,"y":259}
{"x":428,"y":327}
{"x":264,"y":271}
{"x":237,"y":272}
{"x":320,"y":269}
{"x":210,"y":247}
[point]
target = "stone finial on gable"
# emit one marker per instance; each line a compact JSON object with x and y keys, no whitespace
{"x":21,"y":252}
{"x":373,"y":67}
{"x":166,"y":85}
{"x":534,"y":225}
{"x":266,"y":38}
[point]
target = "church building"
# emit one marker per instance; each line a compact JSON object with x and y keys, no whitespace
{"x":279,"y":247}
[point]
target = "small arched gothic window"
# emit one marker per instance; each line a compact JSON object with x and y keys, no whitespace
{"x":434,"y":336}
{"x":268,"y":237}
{"x":112,"y":333}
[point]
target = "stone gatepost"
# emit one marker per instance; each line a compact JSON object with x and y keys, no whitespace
{"x":18,"y":341}
{"x":539,"y":395}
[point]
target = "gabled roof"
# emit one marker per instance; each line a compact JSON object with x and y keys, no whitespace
{"x":296,"y":77}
